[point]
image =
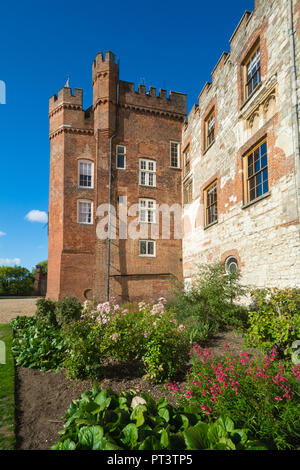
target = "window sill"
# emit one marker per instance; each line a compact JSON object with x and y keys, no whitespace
{"x":86,"y":187}
{"x":146,"y":186}
{"x":251,"y":96}
{"x":147,"y":256}
{"x":210,"y":225}
{"x":175,"y":167}
{"x":118,"y":168}
{"x":84,"y":223}
{"x":207,"y":148}
{"x":260,"y":198}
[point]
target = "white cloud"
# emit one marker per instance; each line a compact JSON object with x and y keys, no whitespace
{"x":37,"y":216}
{"x":7,"y":261}
{"x":2,"y":234}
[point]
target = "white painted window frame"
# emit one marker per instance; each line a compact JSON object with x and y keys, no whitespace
{"x":147,"y":210}
{"x":87,"y":201}
{"x":89,"y":162}
{"x":178,"y":154}
{"x":117,"y":153}
{"x":147,"y":255}
{"x":147,"y":172}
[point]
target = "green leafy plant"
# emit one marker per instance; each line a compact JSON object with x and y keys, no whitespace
{"x":275,"y":321}
{"x":35,"y":345}
{"x":103,"y":420}
{"x":68,"y":310}
{"x":211,"y":303}
{"x":46,"y":311}
{"x":144,"y":332}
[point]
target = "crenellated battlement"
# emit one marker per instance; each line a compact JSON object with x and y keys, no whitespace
{"x":225,"y":58}
{"x":65,"y":96}
{"x":104,"y":63}
{"x":143,"y":98}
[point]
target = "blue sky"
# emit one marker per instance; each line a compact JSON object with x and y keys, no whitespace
{"x":167,"y":44}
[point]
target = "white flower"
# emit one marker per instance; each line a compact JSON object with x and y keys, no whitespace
{"x":137,"y":401}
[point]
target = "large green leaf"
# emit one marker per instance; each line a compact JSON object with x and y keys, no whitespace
{"x":196,"y":437}
{"x":164,"y":413}
{"x":90,"y":437}
{"x":130,"y":433}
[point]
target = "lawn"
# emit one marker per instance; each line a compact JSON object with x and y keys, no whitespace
{"x":7,"y":390}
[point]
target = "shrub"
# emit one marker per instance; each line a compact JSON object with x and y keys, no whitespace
{"x":68,"y":310}
{"x":83,"y":356}
{"x":145,"y":332}
{"x":210,"y":304}
{"x":36,"y":345}
{"x":275,"y":322}
{"x":46,"y":311}
{"x":103,"y":420}
{"x":261,"y":395}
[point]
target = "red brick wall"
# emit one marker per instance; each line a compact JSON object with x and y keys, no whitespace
{"x":146,"y":125}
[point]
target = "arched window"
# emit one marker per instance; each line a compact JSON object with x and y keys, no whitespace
{"x":231,"y":265}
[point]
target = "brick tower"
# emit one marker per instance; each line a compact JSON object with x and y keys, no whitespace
{"x":125,"y":148}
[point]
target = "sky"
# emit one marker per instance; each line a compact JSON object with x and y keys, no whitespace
{"x":167,"y":44}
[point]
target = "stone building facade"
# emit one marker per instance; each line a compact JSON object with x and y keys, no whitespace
{"x":241,"y":154}
{"x":123,"y":150}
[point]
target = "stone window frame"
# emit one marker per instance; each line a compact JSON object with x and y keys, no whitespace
{"x":172,"y":142}
{"x":211,"y":115}
{"x":258,"y":36}
{"x":147,"y":254}
{"x":188,"y":190}
{"x":86,"y":201}
{"x":246,"y":178}
{"x":205,"y":194}
{"x":253,"y":51}
{"x":186,"y":163}
{"x":119,"y":146}
{"x":147,"y":210}
{"x":88,"y":162}
{"x":227,"y":263}
{"x":147,"y":172}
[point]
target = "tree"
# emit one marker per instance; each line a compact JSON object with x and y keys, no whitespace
{"x":15,"y":281}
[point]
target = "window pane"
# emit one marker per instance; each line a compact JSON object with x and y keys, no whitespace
{"x":143,"y":177}
{"x":150,"y":248}
{"x":142,"y":215}
{"x":85,"y":212}
{"x":265,"y":175}
{"x":143,"y":249}
{"x":121,"y":161}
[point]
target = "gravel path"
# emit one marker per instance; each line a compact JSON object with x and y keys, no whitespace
{"x":10,"y":308}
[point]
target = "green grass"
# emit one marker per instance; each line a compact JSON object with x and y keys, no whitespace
{"x":7,"y":393}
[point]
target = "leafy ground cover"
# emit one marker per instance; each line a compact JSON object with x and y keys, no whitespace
{"x":103,"y":420}
{"x":7,"y":390}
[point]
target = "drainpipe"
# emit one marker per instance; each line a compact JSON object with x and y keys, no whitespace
{"x":109,"y":190}
{"x":294,"y":97}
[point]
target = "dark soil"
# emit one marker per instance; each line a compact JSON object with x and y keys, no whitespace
{"x":42,"y":398}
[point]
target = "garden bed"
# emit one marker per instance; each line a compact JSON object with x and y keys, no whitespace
{"x":42,"y":398}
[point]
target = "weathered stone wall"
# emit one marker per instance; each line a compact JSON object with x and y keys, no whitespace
{"x":264,"y":235}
